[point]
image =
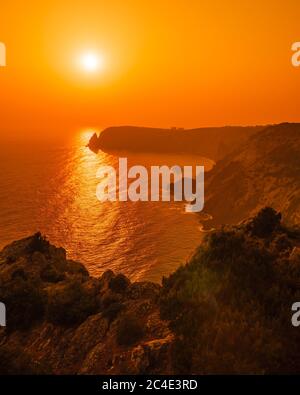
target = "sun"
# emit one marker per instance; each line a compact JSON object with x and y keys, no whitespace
{"x":91,"y":62}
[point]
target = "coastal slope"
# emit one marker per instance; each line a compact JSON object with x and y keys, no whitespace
{"x":265,"y":170}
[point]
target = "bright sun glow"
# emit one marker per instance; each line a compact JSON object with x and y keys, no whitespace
{"x":91,"y":62}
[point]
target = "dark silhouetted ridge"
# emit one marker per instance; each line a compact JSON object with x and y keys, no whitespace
{"x":213,"y":143}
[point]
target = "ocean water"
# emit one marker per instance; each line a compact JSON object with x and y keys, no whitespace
{"x":51,"y":187}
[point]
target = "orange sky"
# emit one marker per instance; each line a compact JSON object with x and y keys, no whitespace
{"x":167,"y":63}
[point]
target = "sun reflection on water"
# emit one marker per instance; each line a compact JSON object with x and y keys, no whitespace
{"x":144,"y":240}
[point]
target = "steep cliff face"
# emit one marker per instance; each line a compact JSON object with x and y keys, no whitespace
{"x":263,"y":171}
{"x":60,"y":320}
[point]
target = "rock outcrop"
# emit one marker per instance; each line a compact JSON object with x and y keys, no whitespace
{"x":62,"y":321}
{"x":213,"y":143}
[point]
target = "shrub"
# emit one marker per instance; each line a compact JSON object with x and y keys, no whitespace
{"x":229,"y":307}
{"x":265,"y":222}
{"x":130,"y":330}
{"x":51,"y":275}
{"x":19,"y":273}
{"x":119,"y":283}
{"x":70,"y":304}
{"x":38,"y":243}
{"x":24,"y":301}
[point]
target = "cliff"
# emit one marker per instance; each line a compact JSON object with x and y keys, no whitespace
{"x":213,"y":143}
{"x":265,"y":170}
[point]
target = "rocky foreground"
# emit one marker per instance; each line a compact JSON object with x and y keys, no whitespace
{"x":226,"y":311}
{"x":62,"y":321}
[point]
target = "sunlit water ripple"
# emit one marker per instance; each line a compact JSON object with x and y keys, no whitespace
{"x":51,"y":188}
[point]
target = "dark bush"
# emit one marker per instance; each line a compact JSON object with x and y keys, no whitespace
{"x":119,"y":283}
{"x":51,"y":275}
{"x":19,"y":273}
{"x":24,"y":301}
{"x":229,"y":307}
{"x":70,"y":304}
{"x":265,"y":222}
{"x":38,"y":243}
{"x":130,"y":330}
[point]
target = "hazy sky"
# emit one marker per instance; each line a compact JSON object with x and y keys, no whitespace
{"x":165,"y":63}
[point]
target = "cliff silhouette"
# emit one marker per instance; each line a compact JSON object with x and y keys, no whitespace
{"x":213,"y":143}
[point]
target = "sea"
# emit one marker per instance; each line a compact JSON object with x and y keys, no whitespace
{"x":50,"y":186}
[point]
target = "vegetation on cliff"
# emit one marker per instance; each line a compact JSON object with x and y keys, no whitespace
{"x":61,"y":320}
{"x":228,"y":310}
{"x":230,"y":306}
{"x":263,"y":171}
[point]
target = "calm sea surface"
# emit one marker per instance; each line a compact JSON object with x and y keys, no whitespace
{"x":52,"y":188}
